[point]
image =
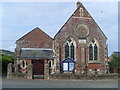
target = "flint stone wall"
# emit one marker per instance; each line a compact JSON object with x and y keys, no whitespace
{"x":84,"y":77}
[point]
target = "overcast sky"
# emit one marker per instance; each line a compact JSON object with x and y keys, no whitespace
{"x":18,"y":18}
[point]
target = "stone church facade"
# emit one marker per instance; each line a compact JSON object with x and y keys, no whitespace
{"x":80,"y":39}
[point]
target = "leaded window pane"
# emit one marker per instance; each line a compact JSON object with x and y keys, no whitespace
{"x":72,"y":51}
{"x":95,"y":52}
{"x":90,"y":52}
{"x":66,"y":50}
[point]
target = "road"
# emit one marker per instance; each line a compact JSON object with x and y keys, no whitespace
{"x":39,"y":83}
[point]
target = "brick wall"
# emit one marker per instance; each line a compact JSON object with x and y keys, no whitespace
{"x":34,"y":39}
{"x":68,"y":30}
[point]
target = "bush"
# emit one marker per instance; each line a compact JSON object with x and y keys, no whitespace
{"x":5,"y":59}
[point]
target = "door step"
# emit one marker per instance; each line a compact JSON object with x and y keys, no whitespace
{"x":38,"y":76}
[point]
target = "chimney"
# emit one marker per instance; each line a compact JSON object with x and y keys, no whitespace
{"x":78,"y":4}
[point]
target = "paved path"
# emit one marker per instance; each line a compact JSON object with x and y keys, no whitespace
{"x":39,"y":83}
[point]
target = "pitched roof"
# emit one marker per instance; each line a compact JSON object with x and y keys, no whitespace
{"x":66,"y":60}
{"x":116,"y":53}
{"x":86,"y":13}
{"x":37,"y":31}
{"x":36,"y":53}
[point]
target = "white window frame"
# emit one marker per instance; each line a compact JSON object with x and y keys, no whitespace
{"x":69,"y":44}
{"x":93,"y":44}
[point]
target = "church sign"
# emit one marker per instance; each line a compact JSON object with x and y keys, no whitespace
{"x":68,"y":65}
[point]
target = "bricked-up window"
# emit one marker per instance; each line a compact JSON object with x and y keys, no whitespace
{"x":66,"y":50}
{"x":90,"y":52}
{"x":95,"y":52}
{"x":72,"y":51}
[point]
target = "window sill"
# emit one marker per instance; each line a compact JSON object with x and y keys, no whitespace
{"x":97,"y":61}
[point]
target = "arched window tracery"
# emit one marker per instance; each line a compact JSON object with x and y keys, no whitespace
{"x":70,"y":48}
{"x":93,"y":50}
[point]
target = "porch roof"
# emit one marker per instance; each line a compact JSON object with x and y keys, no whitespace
{"x":34,"y":53}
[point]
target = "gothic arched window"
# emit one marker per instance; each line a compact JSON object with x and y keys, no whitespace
{"x":93,"y":50}
{"x":70,"y":48}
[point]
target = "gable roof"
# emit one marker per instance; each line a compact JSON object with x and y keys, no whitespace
{"x":66,"y":60}
{"x":79,"y":4}
{"x":116,"y":53}
{"x":36,"y":30}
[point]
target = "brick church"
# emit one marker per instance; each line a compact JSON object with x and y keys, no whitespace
{"x":78,"y":47}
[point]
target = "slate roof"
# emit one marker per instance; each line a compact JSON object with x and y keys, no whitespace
{"x":36,"y":53}
{"x":116,"y":53}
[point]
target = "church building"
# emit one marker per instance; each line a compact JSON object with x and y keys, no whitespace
{"x":79,"y":47}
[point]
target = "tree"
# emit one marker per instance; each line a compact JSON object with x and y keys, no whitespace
{"x":114,"y":64}
{"x":115,"y":61}
{"x":6,"y":57}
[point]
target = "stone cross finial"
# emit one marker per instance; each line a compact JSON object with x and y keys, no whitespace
{"x":78,"y":4}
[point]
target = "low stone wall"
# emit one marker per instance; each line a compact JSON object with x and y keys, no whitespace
{"x":83,"y":77}
{"x":19,"y":75}
{"x":13,"y":72}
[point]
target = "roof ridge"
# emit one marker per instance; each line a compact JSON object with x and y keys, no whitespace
{"x":65,"y":22}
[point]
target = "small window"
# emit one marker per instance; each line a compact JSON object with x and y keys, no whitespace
{"x":23,"y":63}
{"x":50,"y":63}
{"x":93,"y":41}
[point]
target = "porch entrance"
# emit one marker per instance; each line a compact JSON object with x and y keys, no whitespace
{"x":38,"y":68}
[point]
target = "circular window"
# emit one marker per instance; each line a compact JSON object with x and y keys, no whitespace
{"x":82,"y":30}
